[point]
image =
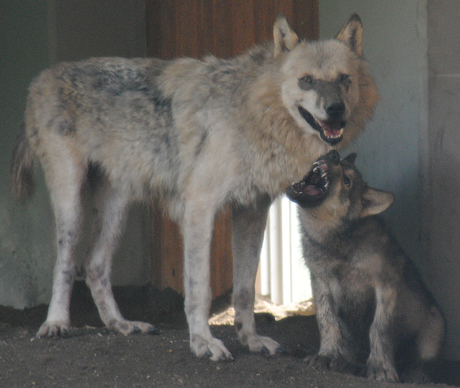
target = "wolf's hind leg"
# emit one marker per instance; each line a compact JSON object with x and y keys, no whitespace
{"x":64,"y":175}
{"x":248,"y":230}
{"x":110,"y":210}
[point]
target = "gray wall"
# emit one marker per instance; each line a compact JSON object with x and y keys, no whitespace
{"x":441,"y":218}
{"x":25,"y":232}
{"x":35,"y":34}
{"x":94,"y":28}
{"x":412,"y":146}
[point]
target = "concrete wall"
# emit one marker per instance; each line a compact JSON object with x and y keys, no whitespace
{"x":94,"y":28}
{"x":25,"y":232}
{"x":35,"y":34}
{"x":441,"y":218}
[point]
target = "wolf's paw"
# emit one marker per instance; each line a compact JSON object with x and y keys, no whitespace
{"x":212,"y":348}
{"x":51,"y":329}
{"x":126,"y":327}
{"x":381,"y":372}
{"x":258,"y":343}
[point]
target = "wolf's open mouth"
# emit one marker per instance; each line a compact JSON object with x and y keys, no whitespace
{"x":331,"y":131}
{"x":313,"y":187}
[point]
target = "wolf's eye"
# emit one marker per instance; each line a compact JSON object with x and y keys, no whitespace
{"x":347,"y":181}
{"x":306,"y":82}
{"x":345,"y":80}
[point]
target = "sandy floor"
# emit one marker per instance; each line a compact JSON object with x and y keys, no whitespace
{"x":92,"y":356}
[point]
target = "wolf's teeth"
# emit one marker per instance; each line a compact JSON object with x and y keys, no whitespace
{"x":335,"y":136}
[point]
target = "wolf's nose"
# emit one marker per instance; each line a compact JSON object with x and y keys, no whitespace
{"x":333,"y":156}
{"x":336,"y":110}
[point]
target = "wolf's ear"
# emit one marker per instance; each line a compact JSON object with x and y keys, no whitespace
{"x":376,"y":201}
{"x":284,"y":36}
{"x":352,"y":34}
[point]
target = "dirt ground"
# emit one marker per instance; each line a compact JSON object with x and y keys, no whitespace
{"x":93,"y":356}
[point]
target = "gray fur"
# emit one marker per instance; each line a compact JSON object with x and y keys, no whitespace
{"x":372,"y":307}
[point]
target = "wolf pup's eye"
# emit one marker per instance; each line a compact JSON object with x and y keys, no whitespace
{"x":347,"y":181}
{"x":306,"y":82}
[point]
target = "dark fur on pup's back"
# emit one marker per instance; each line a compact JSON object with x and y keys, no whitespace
{"x":372,"y":306}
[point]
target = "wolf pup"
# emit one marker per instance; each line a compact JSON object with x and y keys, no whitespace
{"x":370,"y":301}
{"x":200,"y":136}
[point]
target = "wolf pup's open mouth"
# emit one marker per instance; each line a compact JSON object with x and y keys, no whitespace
{"x":331,"y":131}
{"x":313,"y":188}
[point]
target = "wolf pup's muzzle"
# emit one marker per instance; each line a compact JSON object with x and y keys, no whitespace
{"x":314,"y":187}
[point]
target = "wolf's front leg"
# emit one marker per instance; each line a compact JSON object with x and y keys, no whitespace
{"x":248,"y":230}
{"x":380,"y":365}
{"x":197,"y":228}
{"x":330,"y":355}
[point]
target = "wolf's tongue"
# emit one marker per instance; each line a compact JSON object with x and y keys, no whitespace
{"x":332,"y":128}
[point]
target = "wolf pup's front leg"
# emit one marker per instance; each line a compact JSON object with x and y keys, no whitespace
{"x":330,"y":355}
{"x":381,"y":365}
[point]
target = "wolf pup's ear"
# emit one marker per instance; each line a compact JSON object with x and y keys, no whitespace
{"x":376,"y":201}
{"x":284,"y":36}
{"x":350,"y":158}
{"x":352,"y":34}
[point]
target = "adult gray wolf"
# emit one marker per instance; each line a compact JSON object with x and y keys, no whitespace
{"x":370,"y":301}
{"x":199,"y":135}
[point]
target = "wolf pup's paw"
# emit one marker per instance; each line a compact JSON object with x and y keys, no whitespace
{"x":317,"y":361}
{"x":334,"y":363}
{"x":415,"y":375}
{"x":51,"y":329}
{"x":381,"y":371}
{"x":212,"y":348}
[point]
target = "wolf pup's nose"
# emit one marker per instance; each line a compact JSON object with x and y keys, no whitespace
{"x":333,"y":156}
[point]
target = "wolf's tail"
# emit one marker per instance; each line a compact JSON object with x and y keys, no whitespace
{"x":22,"y":168}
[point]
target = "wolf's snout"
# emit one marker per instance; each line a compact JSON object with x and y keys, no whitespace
{"x":336,"y":110}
